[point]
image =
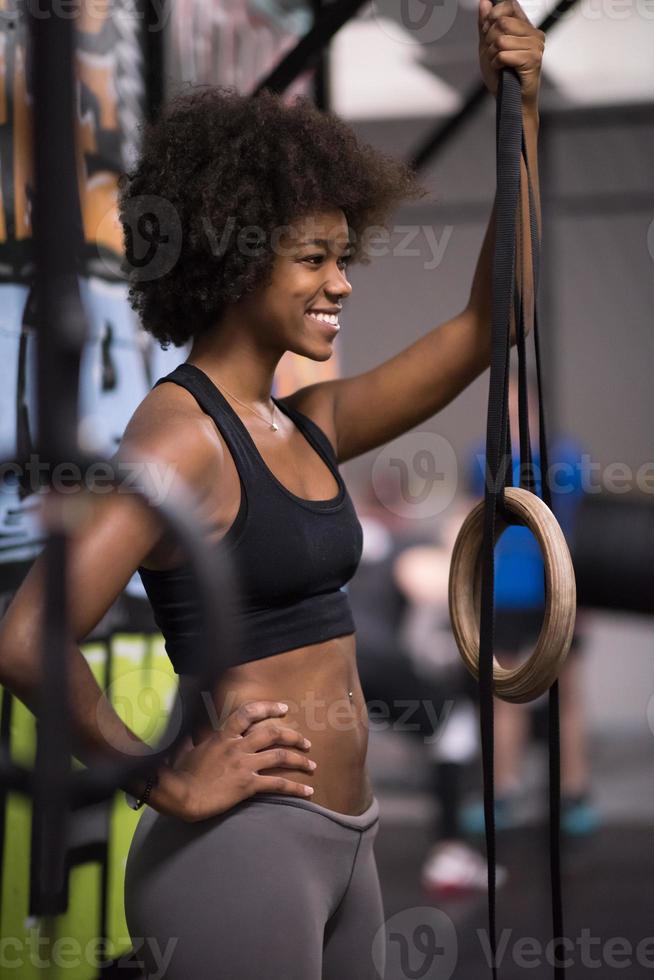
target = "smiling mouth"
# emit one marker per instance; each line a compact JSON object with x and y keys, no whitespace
{"x":331,"y":319}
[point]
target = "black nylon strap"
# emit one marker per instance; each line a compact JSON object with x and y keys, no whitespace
{"x":510,"y":147}
{"x":553,"y":712}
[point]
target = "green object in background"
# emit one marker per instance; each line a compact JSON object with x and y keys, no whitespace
{"x":142,"y":691}
{"x":142,"y":688}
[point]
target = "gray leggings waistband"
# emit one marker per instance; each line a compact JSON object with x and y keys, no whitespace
{"x":356,"y":821}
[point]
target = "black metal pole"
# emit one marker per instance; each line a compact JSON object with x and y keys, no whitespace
{"x":61,"y":332}
{"x":330,"y":20}
{"x":154,"y":57}
{"x":321,"y":91}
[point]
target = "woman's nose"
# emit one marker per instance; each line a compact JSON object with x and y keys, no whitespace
{"x":341,"y":286}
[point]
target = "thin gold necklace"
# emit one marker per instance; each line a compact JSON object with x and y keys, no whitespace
{"x":273,"y":425}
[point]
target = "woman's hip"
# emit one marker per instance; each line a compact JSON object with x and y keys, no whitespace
{"x":271,"y":859}
{"x":265,"y":839}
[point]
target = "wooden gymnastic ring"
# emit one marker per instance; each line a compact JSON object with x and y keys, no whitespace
{"x":532,"y":678}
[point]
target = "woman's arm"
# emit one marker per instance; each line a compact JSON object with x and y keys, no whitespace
{"x":98,"y":734}
{"x":481,"y":290}
{"x":102,"y":559}
{"x":371,"y":409}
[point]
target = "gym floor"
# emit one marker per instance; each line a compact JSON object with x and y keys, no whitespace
{"x":608,"y":877}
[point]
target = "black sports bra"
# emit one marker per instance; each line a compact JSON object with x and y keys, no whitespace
{"x":293,"y":557}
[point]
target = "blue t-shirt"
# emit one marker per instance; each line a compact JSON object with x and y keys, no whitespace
{"x":519,"y":574}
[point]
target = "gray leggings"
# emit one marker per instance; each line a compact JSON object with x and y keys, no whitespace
{"x":277,"y":887}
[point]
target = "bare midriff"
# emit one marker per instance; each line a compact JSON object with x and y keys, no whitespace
{"x":320,"y":684}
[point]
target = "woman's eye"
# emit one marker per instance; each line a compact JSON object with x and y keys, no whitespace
{"x":343,"y":261}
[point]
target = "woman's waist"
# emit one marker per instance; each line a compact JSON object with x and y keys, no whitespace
{"x":329,"y":666}
{"x":320,"y":684}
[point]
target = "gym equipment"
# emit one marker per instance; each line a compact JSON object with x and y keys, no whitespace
{"x":510,"y":147}
{"x":530,"y":679}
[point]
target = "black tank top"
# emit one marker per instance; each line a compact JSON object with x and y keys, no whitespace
{"x":292,"y":556}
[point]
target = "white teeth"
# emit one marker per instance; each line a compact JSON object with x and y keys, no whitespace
{"x":325,"y":317}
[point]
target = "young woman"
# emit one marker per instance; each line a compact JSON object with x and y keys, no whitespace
{"x":249,"y":861}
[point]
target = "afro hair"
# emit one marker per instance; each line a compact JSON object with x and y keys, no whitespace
{"x":217,"y":164}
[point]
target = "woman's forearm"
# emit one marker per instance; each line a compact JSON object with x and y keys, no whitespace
{"x":98,"y":734}
{"x":481,"y":290}
{"x":480,"y":300}
{"x":530,"y":123}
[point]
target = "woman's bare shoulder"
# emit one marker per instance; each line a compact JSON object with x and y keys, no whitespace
{"x":169,"y":426}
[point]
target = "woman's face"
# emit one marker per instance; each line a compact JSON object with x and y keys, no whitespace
{"x":309,"y":275}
